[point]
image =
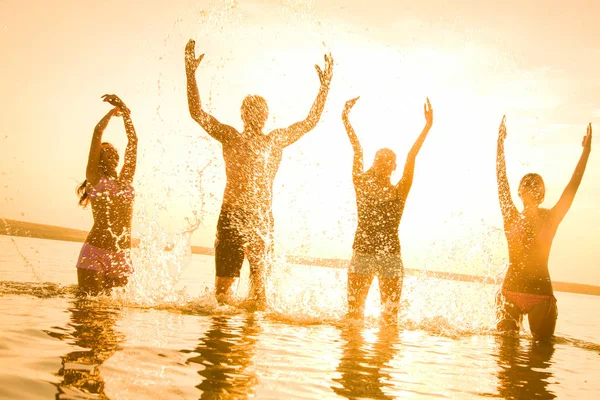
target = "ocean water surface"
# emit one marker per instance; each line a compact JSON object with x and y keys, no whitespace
{"x":165,"y":337}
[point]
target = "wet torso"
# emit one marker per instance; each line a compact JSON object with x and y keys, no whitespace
{"x":250,"y":165}
{"x":112,"y":208}
{"x":379,"y":212}
{"x":529,"y":242}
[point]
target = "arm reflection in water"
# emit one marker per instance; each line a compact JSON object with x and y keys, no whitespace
{"x":225,"y":352}
{"x":361,"y":365}
{"x":523,"y":373}
{"x":93,"y":327}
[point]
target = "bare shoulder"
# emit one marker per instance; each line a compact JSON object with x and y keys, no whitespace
{"x":549,"y":216}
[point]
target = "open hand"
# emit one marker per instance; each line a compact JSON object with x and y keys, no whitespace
{"x":587,"y":139}
{"x":428,"y":111}
{"x":325,"y":76}
{"x":502,"y":129}
{"x":115,"y":101}
{"x":191,"y":62}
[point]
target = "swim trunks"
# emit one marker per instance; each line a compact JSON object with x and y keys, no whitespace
{"x":238,"y":237}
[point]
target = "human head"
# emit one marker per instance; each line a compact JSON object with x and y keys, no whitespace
{"x":532,"y":189}
{"x":109,"y":159}
{"x":254,"y":112}
{"x":385,"y":162}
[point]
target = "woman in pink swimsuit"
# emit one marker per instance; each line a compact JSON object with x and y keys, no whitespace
{"x":104,"y":261}
{"x":527,"y":288}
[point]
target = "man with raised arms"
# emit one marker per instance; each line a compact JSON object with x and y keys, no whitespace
{"x":252,"y":159}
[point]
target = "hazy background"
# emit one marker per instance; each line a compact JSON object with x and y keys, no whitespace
{"x":537,"y":63}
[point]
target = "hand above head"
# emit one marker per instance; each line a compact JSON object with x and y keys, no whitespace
{"x":349,"y":104}
{"x":587,"y":139}
{"x":115,"y":101}
{"x":502,"y":129}
{"x":326,"y":75}
{"x":191,"y":62}
{"x":428,"y":111}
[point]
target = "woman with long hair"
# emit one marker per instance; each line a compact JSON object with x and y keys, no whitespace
{"x":104,"y":261}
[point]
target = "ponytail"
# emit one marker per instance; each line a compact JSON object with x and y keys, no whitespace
{"x":84,"y":199}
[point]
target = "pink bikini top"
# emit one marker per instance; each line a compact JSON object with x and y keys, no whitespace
{"x":110,"y":187}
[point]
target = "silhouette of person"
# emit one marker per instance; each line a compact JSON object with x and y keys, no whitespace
{"x":225,"y":352}
{"x":94,"y":330}
{"x":527,"y":288}
{"x":252,"y":159}
{"x":360,"y":367}
{"x":104,"y":261}
{"x":376,"y":248}
{"x":524,"y":374}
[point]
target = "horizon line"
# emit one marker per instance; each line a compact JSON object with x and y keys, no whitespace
{"x":10,"y":227}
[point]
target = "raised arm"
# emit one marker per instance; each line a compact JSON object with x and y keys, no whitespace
{"x":357,"y":165}
{"x":92,"y":174}
{"x":564,"y":203}
{"x":129,"y":164}
{"x":286,"y":136}
{"x":509,"y":211}
{"x":210,"y":124}
{"x":405,"y":183}
{"x":130,"y":161}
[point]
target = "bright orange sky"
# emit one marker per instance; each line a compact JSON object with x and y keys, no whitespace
{"x":538,"y":63}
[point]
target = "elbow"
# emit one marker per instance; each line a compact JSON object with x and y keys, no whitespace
{"x":196,"y":115}
{"x":310,"y":123}
{"x":313,"y":119}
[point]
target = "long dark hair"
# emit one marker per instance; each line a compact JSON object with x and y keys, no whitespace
{"x":84,"y":199}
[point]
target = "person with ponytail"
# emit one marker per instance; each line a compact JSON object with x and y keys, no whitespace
{"x":104,"y":261}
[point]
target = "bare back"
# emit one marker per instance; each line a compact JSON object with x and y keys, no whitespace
{"x":530,"y":239}
{"x":379,"y":212}
{"x":112,"y":208}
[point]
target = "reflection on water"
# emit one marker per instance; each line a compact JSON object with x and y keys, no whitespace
{"x":363,"y":362}
{"x":225,"y":353}
{"x":92,"y":326}
{"x":523,"y":372}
